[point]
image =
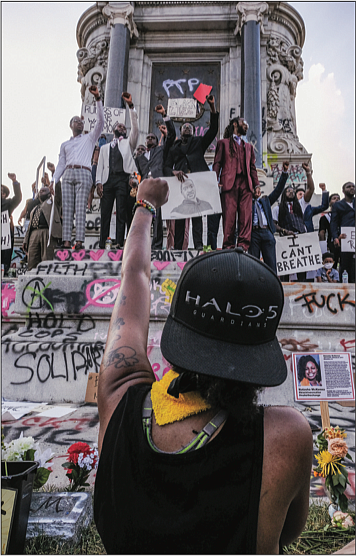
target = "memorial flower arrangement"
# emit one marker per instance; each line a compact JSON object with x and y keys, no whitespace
{"x":342,"y":520}
{"x":81,"y":460}
{"x":332,"y":452}
{"x":25,"y":449}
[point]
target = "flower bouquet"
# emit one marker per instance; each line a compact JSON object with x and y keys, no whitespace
{"x":332,"y":452}
{"x":25,"y":449}
{"x":80,"y":462}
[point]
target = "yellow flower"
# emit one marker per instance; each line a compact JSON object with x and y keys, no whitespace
{"x":329,"y":463}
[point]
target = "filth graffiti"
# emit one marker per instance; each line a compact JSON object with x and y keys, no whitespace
{"x":174,"y":256}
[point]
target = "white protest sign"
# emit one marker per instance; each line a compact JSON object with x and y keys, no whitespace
{"x":182,"y":108}
{"x":323,"y":377}
{"x":299,"y":254}
{"x":266,"y":185}
{"x":5,"y":230}
{"x":112,"y":116}
{"x":198,"y":195}
{"x":348,"y":243}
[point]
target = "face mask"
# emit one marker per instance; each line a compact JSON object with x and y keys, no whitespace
{"x":328,"y":266}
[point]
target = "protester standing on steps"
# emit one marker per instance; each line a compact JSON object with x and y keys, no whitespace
{"x":151,"y":163}
{"x":116,"y":164}
{"x":187,"y":155}
{"x":74,"y":166}
{"x":343,"y":214}
{"x":8,"y":205}
{"x":325,"y":232}
{"x":236,"y":172}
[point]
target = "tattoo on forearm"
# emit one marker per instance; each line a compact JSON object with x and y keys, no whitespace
{"x":123,"y":301}
{"x":124,"y":356}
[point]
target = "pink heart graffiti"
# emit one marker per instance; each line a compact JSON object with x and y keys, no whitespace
{"x":78,"y":255}
{"x":63,"y":255}
{"x":160,"y":265}
{"x":95,"y":255}
{"x":181,"y":265}
{"x":115,"y":256}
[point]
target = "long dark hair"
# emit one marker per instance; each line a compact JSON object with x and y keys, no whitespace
{"x":283,"y":208}
{"x":303,"y":360}
{"x":238,"y":398}
{"x":229,"y":134}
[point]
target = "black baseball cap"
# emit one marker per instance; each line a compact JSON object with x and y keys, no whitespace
{"x":223,"y":319}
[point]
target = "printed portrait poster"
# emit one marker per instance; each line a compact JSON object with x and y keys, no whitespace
{"x":112,"y":116}
{"x":198,"y":195}
{"x":5,"y":230}
{"x":323,"y":376}
{"x":298,"y":254}
{"x":348,"y":243}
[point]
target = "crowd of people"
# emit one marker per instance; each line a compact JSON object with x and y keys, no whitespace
{"x":87,"y":162}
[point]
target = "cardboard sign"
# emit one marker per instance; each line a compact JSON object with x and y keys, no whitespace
{"x":5,"y":230}
{"x":202,"y":92}
{"x":323,"y":376}
{"x":91,"y":394}
{"x":299,"y":254}
{"x":348,"y":243}
{"x":112,"y":116}
{"x":40,"y":172}
{"x":8,"y":501}
{"x":182,"y":108}
{"x":198,"y":195}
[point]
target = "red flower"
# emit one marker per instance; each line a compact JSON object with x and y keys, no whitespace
{"x":75,"y":450}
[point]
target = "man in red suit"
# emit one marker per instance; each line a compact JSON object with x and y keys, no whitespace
{"x":235,"y":168}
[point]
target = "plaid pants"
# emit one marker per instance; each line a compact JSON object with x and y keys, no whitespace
{"x":76,"y":185}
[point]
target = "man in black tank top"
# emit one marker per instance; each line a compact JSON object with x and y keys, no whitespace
{"x":190,"y":464}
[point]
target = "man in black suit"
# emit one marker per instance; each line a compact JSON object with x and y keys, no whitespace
{"x":343,"y":214}
{"x":187,"y":155}
{"x":151,"y":163}
{"x":263,"y":228}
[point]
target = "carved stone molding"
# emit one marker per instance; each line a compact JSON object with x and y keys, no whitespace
{"x":92,"y":68}
{"x":250,"y":11}
{"x":121,"y":13}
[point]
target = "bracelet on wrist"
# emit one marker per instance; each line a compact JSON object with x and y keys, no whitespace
{"x":146,"y":205}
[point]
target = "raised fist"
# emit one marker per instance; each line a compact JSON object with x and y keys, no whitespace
{"x":12,"y":176}
{"x":210,"y":99}
{"x":160,"y":109}
{"x":127,"y":98}
{"x":95,"y":91}
{"x":285,"y":166}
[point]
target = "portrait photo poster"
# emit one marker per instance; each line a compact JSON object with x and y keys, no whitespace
{"x":323,"y":376}
{"x":198,"y":195}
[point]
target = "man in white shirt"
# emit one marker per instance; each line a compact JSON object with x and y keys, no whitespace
{"x":74,"y":167}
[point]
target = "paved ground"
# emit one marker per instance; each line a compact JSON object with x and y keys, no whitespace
{"x":83,"y":424}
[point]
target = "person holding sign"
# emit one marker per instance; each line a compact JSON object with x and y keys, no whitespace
{"x":187,"y":155}
{"x":116,"y":164}
{"x":309,"y":374}
{"x":263,"y":228}
{"x":240,"y":485}
{"x":8,"y":205}
{"x":74,"y":166}
{"x":343,"y":214}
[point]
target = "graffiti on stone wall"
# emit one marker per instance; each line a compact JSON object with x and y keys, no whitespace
{"x":8,"y":295}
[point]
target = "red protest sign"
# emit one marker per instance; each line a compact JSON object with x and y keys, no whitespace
{"x":202,"y":92}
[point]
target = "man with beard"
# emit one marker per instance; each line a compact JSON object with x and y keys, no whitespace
{"x":116,"y":164}
{"x":36,"y":238}
{"x":74,"y":165}
{"x":187,"y":155}
{"x":235,"y":169}
{"x":325,"y":232}
{"x":150,"y":163}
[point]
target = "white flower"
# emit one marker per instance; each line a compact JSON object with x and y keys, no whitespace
{"x":42,"y":458}
{"x":15,"y":450}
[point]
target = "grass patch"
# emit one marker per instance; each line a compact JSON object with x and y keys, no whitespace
{"x":318,"y":538}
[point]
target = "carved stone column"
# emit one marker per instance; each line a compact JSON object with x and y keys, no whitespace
{"x":250,"y":25}
{"x":120,"y":19}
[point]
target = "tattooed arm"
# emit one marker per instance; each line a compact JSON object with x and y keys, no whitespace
{"x":125,"y":361}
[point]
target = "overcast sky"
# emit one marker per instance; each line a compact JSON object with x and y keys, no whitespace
{"x":40,"y":92}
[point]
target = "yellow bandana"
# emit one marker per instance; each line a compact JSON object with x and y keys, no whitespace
{"x":167,"y":408}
